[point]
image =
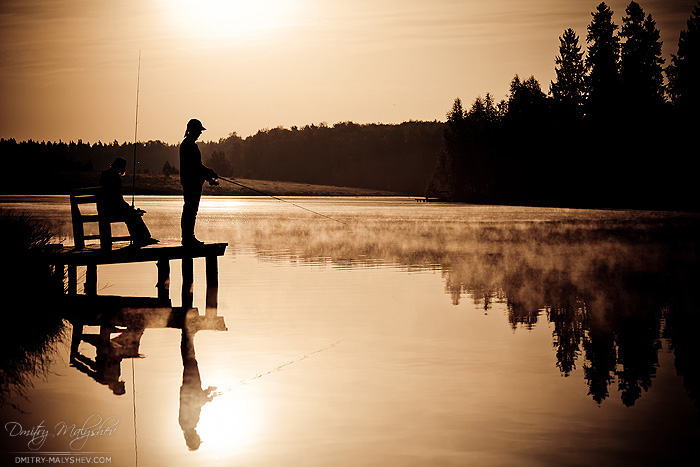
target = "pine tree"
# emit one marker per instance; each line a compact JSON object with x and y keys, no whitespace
{"x":684,"y":71}
{"x":603,"y":61}
{"x":450,"y":164}
{"x":641,"y":65}
{"x":569,"y":90}
{"x":483,"y":115}
{"x":454,"y":134}
{"x":527,"y":104}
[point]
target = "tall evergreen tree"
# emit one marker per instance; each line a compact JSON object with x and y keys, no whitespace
{"x":569,"y":90}
{"x":603,"y":61}
{"x":641,"y":65}
{"x":527,"y":104}
{"x":684,"y":71}
{"x":455,"y":131}
{"x":450,"y":164}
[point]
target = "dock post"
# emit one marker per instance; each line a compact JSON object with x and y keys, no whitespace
{"x":59,"y":276}
{"x":91,"y":280}
{"x":212,"y":271}
{"x":163,"y":284}
{"x":187,"y":283}
{"x":72,"y":279}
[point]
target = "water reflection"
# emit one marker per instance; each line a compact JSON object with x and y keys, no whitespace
{"x":27,"y":353}
{"x":611,"y":310}
{"x":612,"y":285}
{"x":128,"y":318}
{"x":616,"y":291}
{"x":105,"y":368}
{"x":192,"y":395}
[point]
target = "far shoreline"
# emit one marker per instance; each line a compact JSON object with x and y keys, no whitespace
{"x":159,"y":184}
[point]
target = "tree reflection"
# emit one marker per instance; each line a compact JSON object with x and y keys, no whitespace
{"x":607,"y":300}
{"x":610,"y":286}
{"x":569,"y":333}
{"x":682,"y":324}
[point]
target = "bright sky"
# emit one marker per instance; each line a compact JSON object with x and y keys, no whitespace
{"x":68,"y":68}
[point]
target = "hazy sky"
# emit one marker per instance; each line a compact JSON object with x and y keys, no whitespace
{"x":68,"y":68}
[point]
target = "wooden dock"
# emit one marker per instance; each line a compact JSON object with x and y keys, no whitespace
{"x":128,"y":317}
{"x":92,"y":256}
{"x":429,"y":200}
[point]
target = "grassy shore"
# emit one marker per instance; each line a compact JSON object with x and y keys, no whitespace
{"x":159,"y":184}
{"x":33,"y":323}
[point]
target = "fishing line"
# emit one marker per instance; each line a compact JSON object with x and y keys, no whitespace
{"x":283,"y":200}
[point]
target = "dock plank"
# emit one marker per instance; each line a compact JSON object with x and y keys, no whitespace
{"x":94,"y":255}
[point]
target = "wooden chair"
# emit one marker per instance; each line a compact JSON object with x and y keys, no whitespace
{"x":92,"y":195}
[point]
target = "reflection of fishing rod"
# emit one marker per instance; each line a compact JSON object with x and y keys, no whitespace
{"x":276,"y":369}
{"x":280,"y":199}
{"x":133,"y":398}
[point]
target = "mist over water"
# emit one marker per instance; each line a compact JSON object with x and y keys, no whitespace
{"x":406,"y":334}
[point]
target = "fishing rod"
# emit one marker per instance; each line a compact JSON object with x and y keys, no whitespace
{"x":136,"y":129}
{"x":280,"y":199}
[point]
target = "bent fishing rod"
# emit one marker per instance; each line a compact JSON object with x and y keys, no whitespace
{"x":280,"y":199}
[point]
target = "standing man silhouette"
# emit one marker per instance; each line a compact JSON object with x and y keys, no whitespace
{"x":192,"y":176}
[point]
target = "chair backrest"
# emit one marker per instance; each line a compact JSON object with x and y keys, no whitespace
{"x":92,"y":196}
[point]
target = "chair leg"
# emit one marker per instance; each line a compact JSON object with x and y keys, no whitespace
{"x":105,"y":234}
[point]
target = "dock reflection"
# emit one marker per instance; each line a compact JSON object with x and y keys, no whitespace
{"x":115,"y":333}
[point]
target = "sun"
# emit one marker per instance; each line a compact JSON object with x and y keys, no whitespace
{"x":232,"y":422}
{"x":228,"y":19}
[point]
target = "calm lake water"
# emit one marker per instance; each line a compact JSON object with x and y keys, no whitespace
{"x":398,"y":334}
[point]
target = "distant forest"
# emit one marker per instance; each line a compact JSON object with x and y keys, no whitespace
{"x":616,"y":128}
{"x":398,"y":158}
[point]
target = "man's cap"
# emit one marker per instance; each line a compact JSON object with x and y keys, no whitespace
{"x":195,"y":125}
{"x":119,"y":163}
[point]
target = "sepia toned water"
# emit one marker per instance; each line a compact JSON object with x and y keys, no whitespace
{"x":395,"y":333}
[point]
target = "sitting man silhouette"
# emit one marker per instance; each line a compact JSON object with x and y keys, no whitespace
{"x":113,"y":205}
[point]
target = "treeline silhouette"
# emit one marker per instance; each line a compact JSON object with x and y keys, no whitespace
{"x":36,"y":167}
{"x":609,"y":133}
{"x":397,"y":158}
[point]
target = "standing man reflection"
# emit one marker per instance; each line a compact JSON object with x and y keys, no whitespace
{"x":192,"y":176}
{"x":192,"y":396}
